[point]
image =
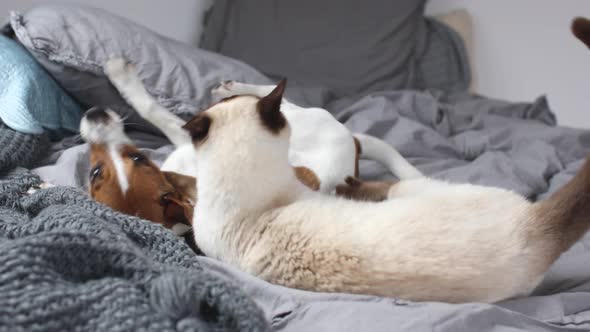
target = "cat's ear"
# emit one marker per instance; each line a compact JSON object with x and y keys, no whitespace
{"x":269,"y":108}
{"x":198,"y":127}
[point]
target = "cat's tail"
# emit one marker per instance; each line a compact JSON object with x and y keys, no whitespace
{"x":375,"y":149}
{"x":564,"y":217}
{"x":581,"y":29}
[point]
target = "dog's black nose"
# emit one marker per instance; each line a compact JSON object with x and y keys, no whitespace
{"x":96,"y":114}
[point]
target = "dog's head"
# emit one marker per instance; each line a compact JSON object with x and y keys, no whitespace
{"x":126,"y":180}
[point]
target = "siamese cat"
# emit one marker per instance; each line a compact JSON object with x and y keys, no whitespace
{"x":430,"y":240}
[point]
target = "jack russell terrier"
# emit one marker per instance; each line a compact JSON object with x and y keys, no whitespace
{"x":431,"y":241}
{"x":126,"y":180}
{"x":323,"y":153}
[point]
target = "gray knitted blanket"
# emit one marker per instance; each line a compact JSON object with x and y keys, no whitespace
{"x":68,"y":263}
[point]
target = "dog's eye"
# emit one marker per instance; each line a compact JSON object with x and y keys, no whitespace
{"x":137,"y":157}
{"x":95,"y":172}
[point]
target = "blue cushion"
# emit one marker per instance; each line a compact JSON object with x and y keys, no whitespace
{"x":31,"y":101}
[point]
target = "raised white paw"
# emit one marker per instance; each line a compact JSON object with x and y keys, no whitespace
{"x":125,"y":78}
{"x":119,"y":71}
{"x":223,"y":89}
{"x":115,"y":66}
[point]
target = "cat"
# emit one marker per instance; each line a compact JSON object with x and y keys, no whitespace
{"x":430,"y":241}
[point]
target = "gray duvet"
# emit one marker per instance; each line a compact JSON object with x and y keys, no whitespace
{"x":461,"y":138}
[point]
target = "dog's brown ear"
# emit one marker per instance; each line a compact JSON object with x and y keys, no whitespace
{"x":581,"y":29}
{"x":180,"y":204}
{"x":269,"y":108}
{"x":184,"y":184}
{"x":177,"y":210}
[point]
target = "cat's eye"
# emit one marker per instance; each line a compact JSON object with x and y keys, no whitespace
{"x":95,"y":172}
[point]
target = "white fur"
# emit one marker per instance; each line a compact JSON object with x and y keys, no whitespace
{"x":119,"y":168}
{"x":319,"y":142}
{"x":124,"y":77}
{"x":431,"y":241}
{"x":182,"y":160}
{"x":109,"y":133}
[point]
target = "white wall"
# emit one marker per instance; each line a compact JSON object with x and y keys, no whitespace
{"x":524,"y":48}
{"x":172,"y":18}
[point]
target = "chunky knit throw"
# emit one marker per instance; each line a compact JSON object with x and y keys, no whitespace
{"x":18,"y":149}
{"x":68,"y":263}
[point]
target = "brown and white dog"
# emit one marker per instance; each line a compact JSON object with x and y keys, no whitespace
{"x":126,"y":180}
{"x":323,"y":154}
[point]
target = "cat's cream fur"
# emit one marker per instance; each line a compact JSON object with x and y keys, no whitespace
{"x":431,"y":240}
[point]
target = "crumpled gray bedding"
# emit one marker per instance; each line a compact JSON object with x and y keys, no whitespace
{"x":462,"y":138}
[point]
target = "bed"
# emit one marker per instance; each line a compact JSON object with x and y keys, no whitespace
{"x":68,"y":263}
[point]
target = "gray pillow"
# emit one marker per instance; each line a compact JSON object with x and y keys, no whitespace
{"x":444,"y":64}
{"x":73,"y":42}
{"x":348,"y":46}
